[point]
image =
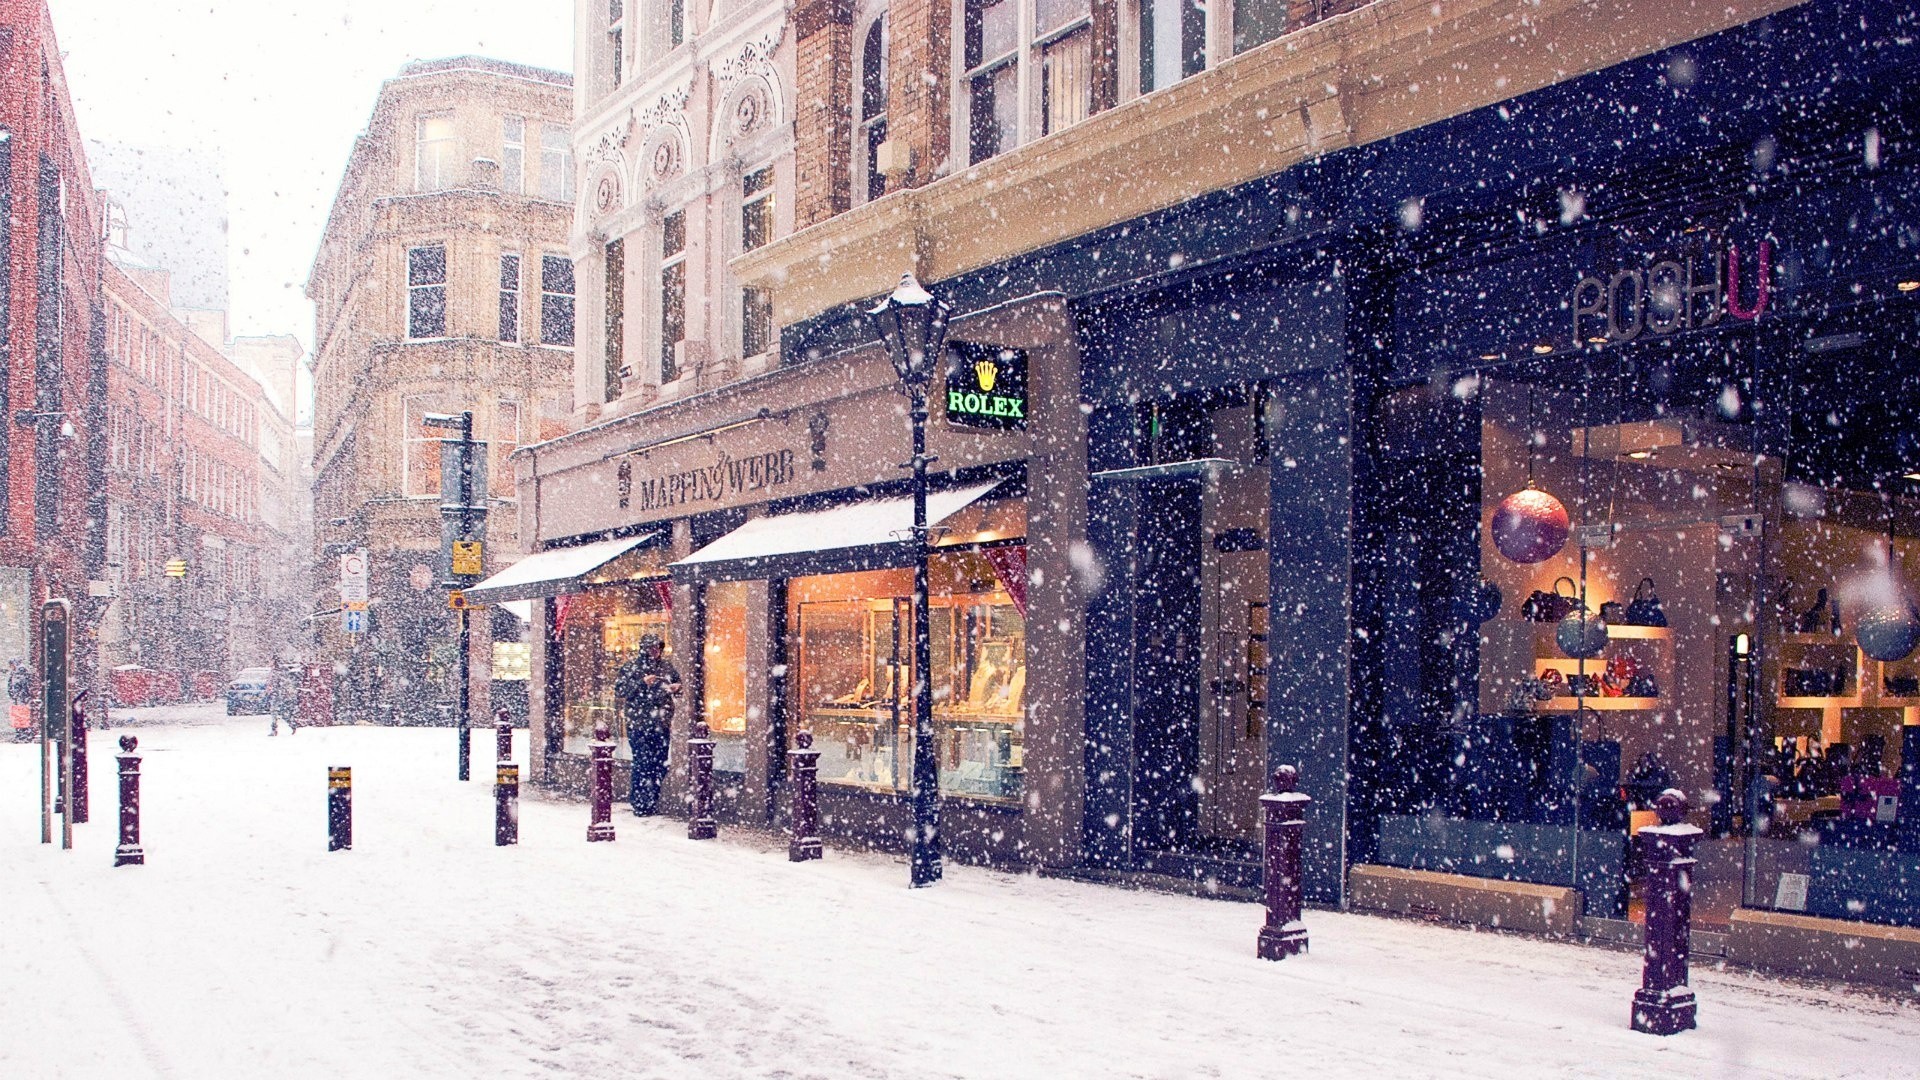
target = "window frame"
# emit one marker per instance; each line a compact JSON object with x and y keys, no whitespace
{"x":420,"y":143}
{"x":672,"y":315}
{"x":418,"y":290}
{"x":513,"y":154}
{"x":757,"y":205}
{"x":550,"y":301}
{"x":556,"y":164}
{"x":511,"y":286}
{"x":614,"y":306}
{"x":870,"y":128}
{"x":616,"y":42}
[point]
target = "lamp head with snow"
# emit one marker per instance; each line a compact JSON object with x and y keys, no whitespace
{"x":912,"y":323}
{"x":29,"y":417}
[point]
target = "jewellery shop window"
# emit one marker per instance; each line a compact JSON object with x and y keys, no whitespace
{"x":601,"y":630}
{"x":725,"y":674}
{"x":853,"y":635}
{"x":1563,"y":575}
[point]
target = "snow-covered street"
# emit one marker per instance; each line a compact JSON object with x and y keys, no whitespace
{"x":243,"y":948}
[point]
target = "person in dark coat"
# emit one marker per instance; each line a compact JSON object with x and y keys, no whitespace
{"x":645,"y":687}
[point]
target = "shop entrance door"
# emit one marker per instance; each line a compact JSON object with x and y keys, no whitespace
{"x":1199,"y":574}
{"x":1233,"y":648}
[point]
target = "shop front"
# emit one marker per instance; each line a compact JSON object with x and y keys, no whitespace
{"x":765,"y":531}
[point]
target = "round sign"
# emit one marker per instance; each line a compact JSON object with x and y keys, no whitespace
{"x":420,"y":577}
{"x":353,"y":564}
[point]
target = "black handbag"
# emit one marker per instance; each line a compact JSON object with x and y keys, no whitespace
{"x":1551,"y":607}
{"x":1643,"y":685}
{"x":1645,"y":609}
{"x":1816,"y":618}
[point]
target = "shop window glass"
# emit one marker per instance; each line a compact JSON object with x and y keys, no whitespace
{"x":426,"y":291}
{"x":1256,"y":22}
{"x":601,"y":630}
{"x":852,"y":635}
{"x":725,"y":675}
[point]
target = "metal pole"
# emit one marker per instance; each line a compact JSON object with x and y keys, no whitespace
{"x":466,"y":508}
{"x":926,"y":759}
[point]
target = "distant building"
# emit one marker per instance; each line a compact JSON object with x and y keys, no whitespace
{"x":51,"y":453}
{"x":444,"y":283}
{"x":200,"y":469}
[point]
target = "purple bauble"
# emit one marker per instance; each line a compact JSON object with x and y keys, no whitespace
{"x":1530,"y":526}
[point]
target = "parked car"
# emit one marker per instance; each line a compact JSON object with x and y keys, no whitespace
{"x":247,"y":693}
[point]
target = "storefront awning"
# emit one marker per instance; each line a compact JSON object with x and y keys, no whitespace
{"x":551,"y":573}
{"x":865,"y":535}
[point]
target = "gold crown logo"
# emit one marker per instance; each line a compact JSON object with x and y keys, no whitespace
{"x":986,"y":371}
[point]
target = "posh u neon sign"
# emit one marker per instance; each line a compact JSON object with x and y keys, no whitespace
{"x":1673,"y":294}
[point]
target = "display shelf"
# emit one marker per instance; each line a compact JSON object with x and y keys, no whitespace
{"x":1603,"y":704}
{"x":1629,"y":632}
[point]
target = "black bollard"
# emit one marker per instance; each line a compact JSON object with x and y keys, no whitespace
{"x":1664,"y":1003}
{"x":1284,"y":934}
{"x":805,"y":844}
{"x":700,"y":781}
{"x":339,"y":808}
{"x":506,"y":805}
{"x":129,"y":852}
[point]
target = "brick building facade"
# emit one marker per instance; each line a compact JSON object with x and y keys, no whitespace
{"x":52,"y":454}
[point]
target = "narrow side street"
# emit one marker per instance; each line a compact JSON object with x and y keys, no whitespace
{"x":243,"y":948}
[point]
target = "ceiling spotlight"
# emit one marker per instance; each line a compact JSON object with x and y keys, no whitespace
{"x":1489,"y":356}
{"x":1639,"y":455}
{"x":1597,"y":339}
{"x":1908,"y":286}
{"x":1543,"y":348}
{"x":1912,"y":476}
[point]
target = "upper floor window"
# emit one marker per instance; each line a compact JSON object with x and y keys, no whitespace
{"x":513,"y":154}
{"x":433,"y":153}
{"x":556,"y":164}
{"x":614,"y":300}
{"x":1173,"y":42}
{"x":676,"y":23}
{"x":556,"y":300}
{"x":509,"y":296}
{"x":616,"y":40}
{"x":673,"y":293}
{"x":1016,"y":85}
{"x":872,"y":127}
{"x":756,"y":228}
{"x":427,"y":291}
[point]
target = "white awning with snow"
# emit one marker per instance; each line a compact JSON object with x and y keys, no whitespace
{"x":862,"y":535}
{"x":551,"y":573}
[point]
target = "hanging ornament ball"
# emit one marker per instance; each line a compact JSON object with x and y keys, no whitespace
{"x":1581,"y":635}
{"x":1530,"y":526}
{"x":1888,"y":631}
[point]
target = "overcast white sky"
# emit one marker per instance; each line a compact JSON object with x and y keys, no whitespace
{"x":278,"y":88}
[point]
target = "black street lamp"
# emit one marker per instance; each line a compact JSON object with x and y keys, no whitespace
{"x":461,"y":522}
{"x":913,"y":325}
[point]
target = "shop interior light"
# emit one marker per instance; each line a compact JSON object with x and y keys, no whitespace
{"x":1597,"y":339}
{"x":1912,"y":476}
{"x":1908,"y":286}
{"x":1640,"y":455}
{"x":1489,"y":356}
{"x":1543,"y":348}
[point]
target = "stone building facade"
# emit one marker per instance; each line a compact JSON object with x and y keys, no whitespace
{"x":443,"y":284}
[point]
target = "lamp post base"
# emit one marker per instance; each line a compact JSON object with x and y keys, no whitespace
{"x":1664,"y":1012}
{"x":1280,"y":942}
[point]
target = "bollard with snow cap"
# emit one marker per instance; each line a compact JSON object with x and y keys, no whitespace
{"x":805,"y":844}
{"x":700,"y":782}
{"x":503,"y":736}
{"x":600,"y":784}
{"x":1664,"y":1003}
{"x":129,"y":852}
{"x":339,"y":808}
{"x":506,"y":804}
{"x":1284,"y":934}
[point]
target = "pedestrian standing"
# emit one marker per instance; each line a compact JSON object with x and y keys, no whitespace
{"x":645,"y":687}
{"x":20,"y":699}
{"x":283,"y":698}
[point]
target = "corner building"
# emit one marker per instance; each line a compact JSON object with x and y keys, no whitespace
{"x":1304,"y":294}
{"x":442,"y":285}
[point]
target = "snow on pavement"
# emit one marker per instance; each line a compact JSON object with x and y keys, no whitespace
{"x":244,"y":948}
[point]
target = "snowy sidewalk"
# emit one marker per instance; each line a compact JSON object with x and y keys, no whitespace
{"x":243,"y":948}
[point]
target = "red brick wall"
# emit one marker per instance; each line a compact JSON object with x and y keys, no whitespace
{"x":917,"y":86}
{"x":823,"y":124}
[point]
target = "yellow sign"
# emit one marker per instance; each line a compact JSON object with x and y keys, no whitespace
{"x":458,"y":601}
{"x":338,"y":777}
{"x":353,"y":605}
{"x":176,"y":568}
{"x":466,"y":557}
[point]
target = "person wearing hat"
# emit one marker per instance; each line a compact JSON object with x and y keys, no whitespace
{"x":645,"y":687}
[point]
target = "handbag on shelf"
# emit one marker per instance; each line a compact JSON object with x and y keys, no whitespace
{"x":1614,"y":613}
{"x":1645,"y":610}
{"x":1551,"y":607}
{"x":1643,"y":685}
{"x":1822,"y":616}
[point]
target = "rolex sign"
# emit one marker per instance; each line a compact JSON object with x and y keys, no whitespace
{"x":986,"y":386}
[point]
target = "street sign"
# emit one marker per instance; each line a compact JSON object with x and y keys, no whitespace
{"x":353,"y":568}
{"x":466,"y":558}
{"x":352,"y":621}
{"x":353,"y":605}
{"x":56,"y":725}
{"x":354,"y":594}
{"x":458,"y":601}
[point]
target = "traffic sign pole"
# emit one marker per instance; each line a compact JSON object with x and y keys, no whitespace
{"x":462,"y":523}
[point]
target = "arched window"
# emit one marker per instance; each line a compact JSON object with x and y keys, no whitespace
{"x":872,"y":127}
